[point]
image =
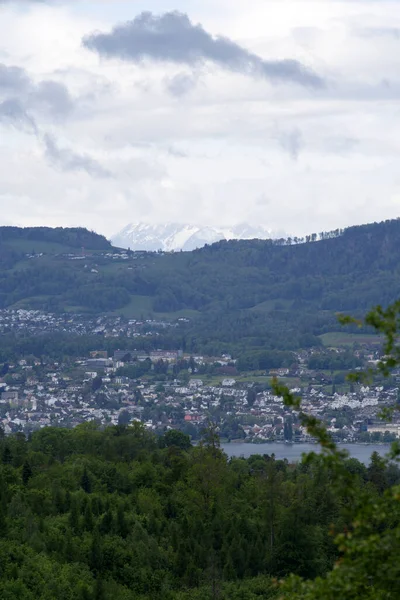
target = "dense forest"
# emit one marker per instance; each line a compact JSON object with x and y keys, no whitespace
{"x":74,"y":237}
{"x":120,"y":514}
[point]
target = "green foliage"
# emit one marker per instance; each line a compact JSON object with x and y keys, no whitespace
{"x":72,"y":237}
{"x":26,"y":472}
{"x":367,"y":567}
{"x":119,"y":513}
{"x":175,"y":438}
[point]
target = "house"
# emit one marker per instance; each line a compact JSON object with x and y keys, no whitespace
{"x":389,"y":427}
{"x":163,"y":355}
{"x":120,"y":354}
{"x":9,"y":396}
{"x":195,"y":383}
{"x":90,"y":374}
{"x":101,"y":363}
{"x":99,"y":354}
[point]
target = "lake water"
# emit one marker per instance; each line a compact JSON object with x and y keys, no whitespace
{"x":293,"y":452}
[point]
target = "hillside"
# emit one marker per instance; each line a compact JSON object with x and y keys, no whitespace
{"x":236,"y":293}
{"x":16,"y":241}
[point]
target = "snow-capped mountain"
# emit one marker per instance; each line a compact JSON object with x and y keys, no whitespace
{"x":178,"y":236}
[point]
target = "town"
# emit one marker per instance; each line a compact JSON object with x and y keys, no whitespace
{"x":37,"y":322}
{"x":167,"y":389}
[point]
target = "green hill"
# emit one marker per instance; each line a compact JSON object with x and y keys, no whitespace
{"x":16,"y":241}
{"x":237,"y":294}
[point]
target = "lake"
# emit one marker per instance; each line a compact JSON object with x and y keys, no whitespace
{"x":293,"y":452}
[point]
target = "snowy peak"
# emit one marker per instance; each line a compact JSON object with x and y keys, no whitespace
{"x":177,"y":236}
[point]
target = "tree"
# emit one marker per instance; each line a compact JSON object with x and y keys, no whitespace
{"x":26,"y":472}
{"x":251,"y":396}
{"x":124,"y":418}
{"x":210,"y":438}
{"x":122,"y":525}
{"x":174,"y":437}
{"x":99,"y":591}
{"x":288,"y":429}
{"x":367,"y":568}
{"x":88,"y":521}
{"x":73,"y":518}
{"x":97,"y":382}
{"x":85,"y":482}
{"x":7,"y":456}
{"x":106,"y":523}
{"x":96,"y":553}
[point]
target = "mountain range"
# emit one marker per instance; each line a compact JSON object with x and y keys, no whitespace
{"x":180,"y":236}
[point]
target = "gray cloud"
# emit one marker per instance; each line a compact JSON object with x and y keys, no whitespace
{"x":51,"y":96}
{"x":181,"y":84}
{"x":13,"y":79}
{"x":20,"y":95}
{"x":292,"y":142}
{"x":55,"y":96}
{"x":172,"y":37}
{"x":12,"y":113}
{"x":371,"y":32}
{"x":68,"y":160}
{"x":176,"y":152}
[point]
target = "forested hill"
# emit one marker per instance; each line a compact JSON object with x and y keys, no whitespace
{"x":28,"y":239}
{"x":351,"y":271}
{"x":237,"y":293}
{"x":356,"y":268}
{"x":358,"y":247}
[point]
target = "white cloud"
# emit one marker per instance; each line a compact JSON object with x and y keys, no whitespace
{"x":222,"y":147}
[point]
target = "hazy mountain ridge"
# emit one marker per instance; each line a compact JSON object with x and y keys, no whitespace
{"x":180,"y":236}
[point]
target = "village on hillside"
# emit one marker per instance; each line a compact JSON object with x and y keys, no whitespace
{"x":169,"y":389}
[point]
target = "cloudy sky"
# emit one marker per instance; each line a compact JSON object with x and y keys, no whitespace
{"x":284,"y":113}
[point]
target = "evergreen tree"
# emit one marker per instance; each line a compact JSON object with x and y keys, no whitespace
{"x":106,"y":524}
{"x":85,"y":482}
{"x":88,"y":521}
{"x":288,"y":429}
{"x":26,"y":472}
{"x":122,"y":525}
{"x":6,"y":456}
{"x":73,"y":519}
{"x":99,"y":591}
{"x":96,"y":553}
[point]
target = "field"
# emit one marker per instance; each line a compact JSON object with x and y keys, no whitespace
{"x":337,"y":338}
{"x":251,"y":377}
{"x":269,"y":305}
{"x":142,"y":307}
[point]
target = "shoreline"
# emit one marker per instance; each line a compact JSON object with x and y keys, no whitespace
{"x":235,"y":442}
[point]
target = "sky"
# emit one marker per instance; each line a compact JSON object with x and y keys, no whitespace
{"x":280,"y":113}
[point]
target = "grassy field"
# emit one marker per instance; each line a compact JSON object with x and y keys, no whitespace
{"x":29,"y":303}
{"x":185,"y":313}
{"x":251,"y":377}
{"x":337,"y":338}
{"x":269,"y":305}
{"x":139,"y":306}
{"x":142,"y":307}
